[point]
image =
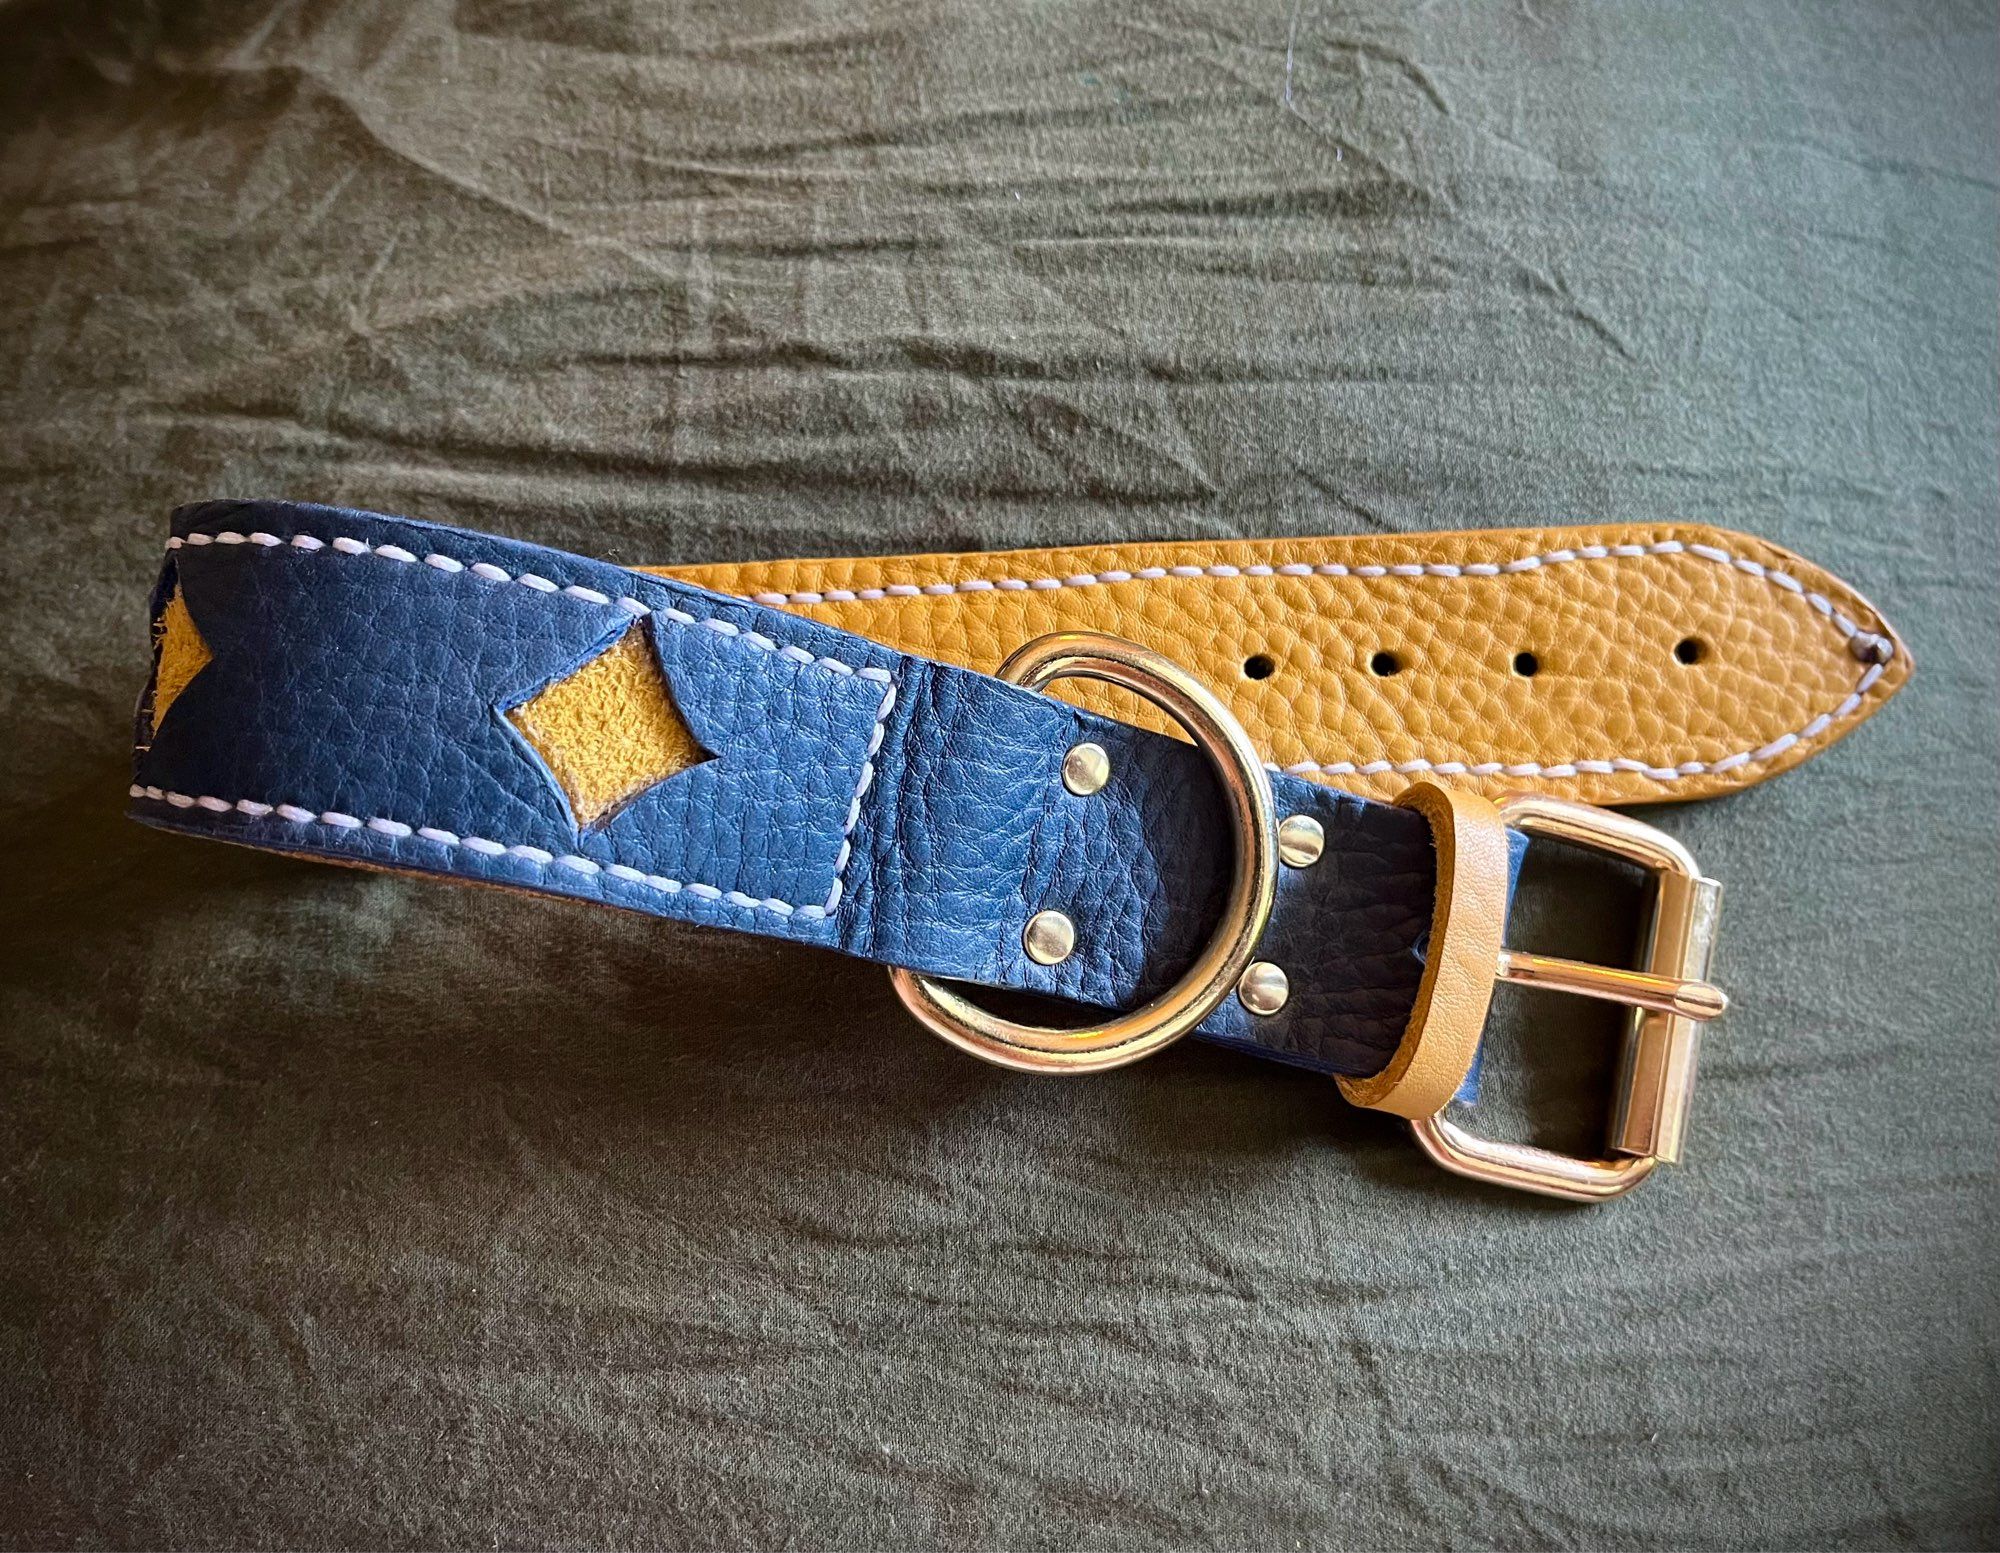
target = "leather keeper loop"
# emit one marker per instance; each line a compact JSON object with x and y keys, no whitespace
{"x":1443,"y":1034}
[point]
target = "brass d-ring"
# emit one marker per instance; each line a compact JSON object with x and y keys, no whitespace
{"x":1127,"y":1037}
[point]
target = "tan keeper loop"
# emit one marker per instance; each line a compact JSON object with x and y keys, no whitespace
{"x":1443,"y":1034}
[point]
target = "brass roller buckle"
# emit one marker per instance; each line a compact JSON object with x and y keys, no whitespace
{"x":1669,"y":995}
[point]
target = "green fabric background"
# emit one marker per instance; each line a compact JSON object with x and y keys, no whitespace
{"x":343,"y":1209}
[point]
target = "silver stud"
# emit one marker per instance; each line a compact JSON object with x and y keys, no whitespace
{"x":1264,"y":988}
{"x":1300,"y":841}
{"x":1086,"y":768}
{"x":1049,"y":937}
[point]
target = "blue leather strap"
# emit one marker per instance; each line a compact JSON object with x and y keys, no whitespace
{"x":905,"y":811}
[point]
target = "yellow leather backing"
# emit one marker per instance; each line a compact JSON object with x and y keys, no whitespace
{"x":610,"y":730}
{"x":182,"y":654}
{"x":1393,"y":657}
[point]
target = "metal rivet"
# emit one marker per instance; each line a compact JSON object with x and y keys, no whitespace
{"x":1300,"y":841}
{"x":1086,"y":768}
{"x":1264,"y":988}
{"x":1049,"y":937}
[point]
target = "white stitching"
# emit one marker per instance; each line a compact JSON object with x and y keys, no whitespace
{"x":1686,"y":768}
{"x":538,"y":856}
{"x":1875,"y":645}
{"x":861,"y":787}
{"x":1526,"y":563}
{"x":489,"y":573}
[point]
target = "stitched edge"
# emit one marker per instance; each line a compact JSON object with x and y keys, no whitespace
{"x":486,"y":572}
{"x":540,"y":857}
{"x":861,"y":787}
{"x":1880,"y":648}
{"x":1622,"y":764}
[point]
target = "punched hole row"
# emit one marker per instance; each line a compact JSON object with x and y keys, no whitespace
{"x":1386,"y":665}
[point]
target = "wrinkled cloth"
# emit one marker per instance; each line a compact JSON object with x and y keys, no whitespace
{"x":354,"y":1210}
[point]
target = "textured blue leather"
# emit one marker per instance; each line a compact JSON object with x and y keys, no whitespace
{"x":894,"y":808}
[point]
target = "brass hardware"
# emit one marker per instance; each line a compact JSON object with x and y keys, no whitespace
{"x":1301,"y":839}
{"x":1049,"y":937}
{"x":1264,"y":988}
{"x":1246,"y":787}
{"x":1085,"y":769}
{"x":1669,"y":995}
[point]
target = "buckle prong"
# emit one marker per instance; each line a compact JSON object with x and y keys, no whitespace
{"x":1697,"y":1000}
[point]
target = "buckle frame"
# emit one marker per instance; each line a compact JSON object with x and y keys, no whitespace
{"x":1669,"y":995}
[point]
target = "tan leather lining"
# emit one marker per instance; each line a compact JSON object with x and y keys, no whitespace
{"x":1460,"y":963}
{"x":1501,"y":660}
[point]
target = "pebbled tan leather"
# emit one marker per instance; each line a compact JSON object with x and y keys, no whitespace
{"x":1449,"y":1018}
{"x":1393,"y":657}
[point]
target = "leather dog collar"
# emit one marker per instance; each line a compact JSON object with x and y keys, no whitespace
{"x":397,"y":694}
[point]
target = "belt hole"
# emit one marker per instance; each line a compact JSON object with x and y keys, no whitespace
{"x":1384,"y":664}
{"x":1690,"y":649}
{"x":1259,"y":666}
{"x":1527,"y":665}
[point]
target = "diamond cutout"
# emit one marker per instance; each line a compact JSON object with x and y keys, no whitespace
{"x":180,"y":655}
{"x":610,"y":730}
